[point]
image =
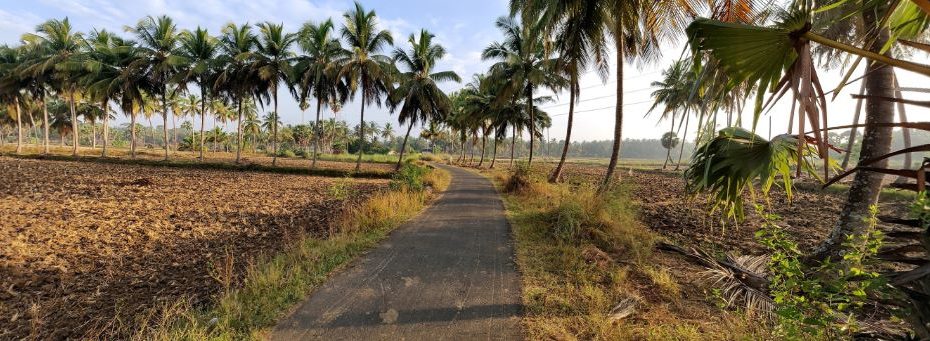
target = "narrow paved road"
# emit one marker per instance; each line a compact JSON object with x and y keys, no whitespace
{"x":448,"y":274}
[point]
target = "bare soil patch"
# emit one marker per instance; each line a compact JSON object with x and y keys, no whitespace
{"x":85,"y":247}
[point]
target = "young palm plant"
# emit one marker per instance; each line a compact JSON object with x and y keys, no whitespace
{"x":419,"y":98}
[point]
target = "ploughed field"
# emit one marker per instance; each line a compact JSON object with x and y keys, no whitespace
{"x":87,"y":248}
{"x":665,"y":207}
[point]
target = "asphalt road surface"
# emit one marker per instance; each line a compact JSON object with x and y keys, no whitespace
{"x":448,"y":274}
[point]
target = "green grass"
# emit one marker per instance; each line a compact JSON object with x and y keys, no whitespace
{"x":272,"y":286}
{"x":193,"y":164}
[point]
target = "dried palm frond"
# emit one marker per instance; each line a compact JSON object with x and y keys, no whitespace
{"x":735,"y":289}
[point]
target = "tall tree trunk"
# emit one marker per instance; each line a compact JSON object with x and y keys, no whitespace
{"x":403,"y":147}
{"x":106,"y":130}
{"x":93,"y":134}
{"x":19,"y":128}
{"x":618,"y":123}
{"x":557,"y":173}
{"x":484,"y":145}
{"x":496,"y":141}
{"x":239,"y":132}
{"x":529,"y":108}
{"x":866,"y":186}
{"x":74,"y":125}
{"x":274,"y":127}
{"x":45,"y":123}
{"x":164,"y":116}
{"x":855,"y":131}
{"x":684,"y":140}
{"x":361,"y":130}
{"x":203,"y":118}
{"x":318,"y":130}
{"x":132,"y":133}
{"x":174,"y":128}
{"x":513,"y":144}
{"x":35,"y":128}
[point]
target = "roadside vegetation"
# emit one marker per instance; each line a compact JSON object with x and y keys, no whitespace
{"x":590,"y":269}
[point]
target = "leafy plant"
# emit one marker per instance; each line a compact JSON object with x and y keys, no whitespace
{"x":729,"y":163}
{"x":818,"y":302}
{"x":409,"y":177}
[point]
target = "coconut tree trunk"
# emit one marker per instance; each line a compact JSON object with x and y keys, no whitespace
{"x":19,"y":128}
{"x":876,"y":140}
{"x":74,"y":125}
{"x":93,"y":134}
{"x":45,"y":123}
{"x":35,"y":128}
{"x":855,"y":131}
{"x":239,"y":132}
{"x":513,"y":144}
{"x":274,"y":128}
{"x":361,"y":129}
{"x":106,"y":130}
{"x":618,"y":123}
{"x":484,"y":145}
{"x":319,"y":132}
{"x":529,"y":108}
{"x":403,"y":147}
{"x":132,"y":134}
{"x":164,"y":116}
{"x":203,"y":118}
{"x":496,"y":141}
{"x":684,"y":140}
{"x":557,"y":173}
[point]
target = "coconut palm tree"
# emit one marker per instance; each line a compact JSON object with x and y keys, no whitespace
{"x":237,"y":76}
{"x":273,"y":65}
{"x":387,"y":133}
{"x":419,"y":98}
{"x":270,"y":123}
{"x":524,"y":64}
{"x":11,"y":83}
{"x":54,"y":43}
{"x":317,"y":71}
{"x":200,"y":49}
{"x":158,"y":43}
{"x":578,"y":35}
{"x":365,"y":70}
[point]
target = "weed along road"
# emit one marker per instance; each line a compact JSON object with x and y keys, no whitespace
{"x":447,"y":274}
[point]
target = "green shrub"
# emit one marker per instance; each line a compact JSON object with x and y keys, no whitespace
{"x":409,"y":177}
{"x":286,"y":153}
{"x":819,"y":302}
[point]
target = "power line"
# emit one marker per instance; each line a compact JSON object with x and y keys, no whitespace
{"x":597,"y":98}
{"x":607,"y":107}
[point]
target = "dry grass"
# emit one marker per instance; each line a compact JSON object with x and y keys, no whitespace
{"x":581,"y":254}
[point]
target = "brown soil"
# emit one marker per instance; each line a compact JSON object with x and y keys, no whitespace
{"x":666,"y":208}
{"x":85,"y":245}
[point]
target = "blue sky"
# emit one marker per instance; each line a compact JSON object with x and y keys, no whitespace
{"x":463,"y":27}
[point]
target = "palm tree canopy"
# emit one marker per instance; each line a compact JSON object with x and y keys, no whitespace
{"x":364,"y":69}
{"x":316,"y":73}
{"x":417,"y":94}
